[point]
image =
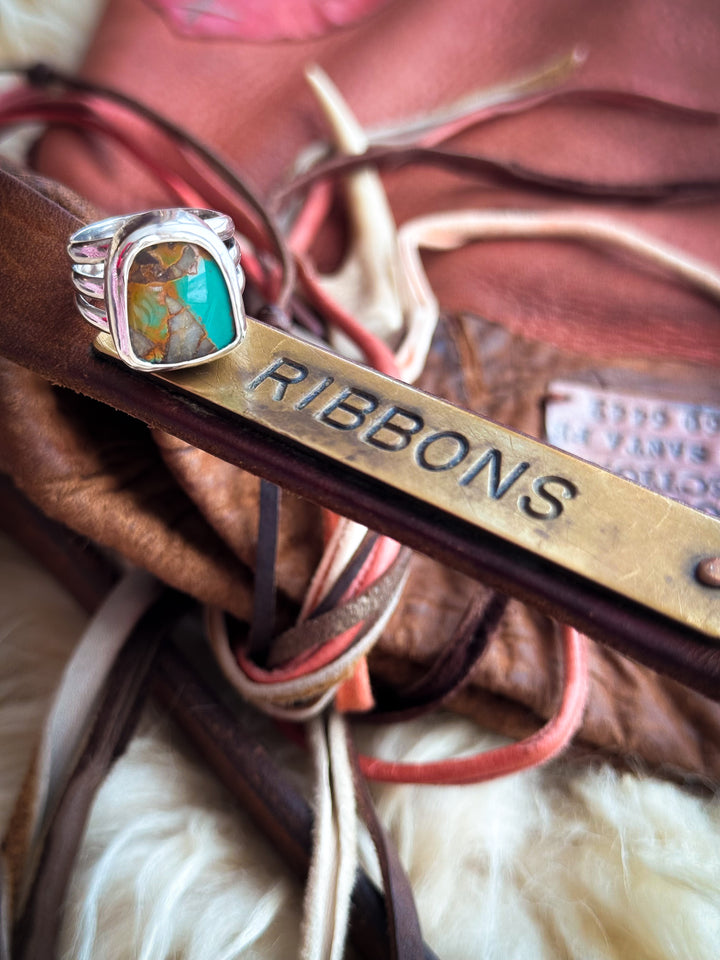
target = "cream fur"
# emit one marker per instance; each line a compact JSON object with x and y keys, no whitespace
{"x":56,"y":32}
{"x":560,"y":863}
{"x":52,"y":31}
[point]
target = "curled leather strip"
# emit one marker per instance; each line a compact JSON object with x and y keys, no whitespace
{"x":496,"y":172}
{"x":534,"y":750}
{"x":451,"y":668}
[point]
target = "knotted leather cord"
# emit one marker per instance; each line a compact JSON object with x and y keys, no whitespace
{"x":277,"y":655}
{"x":298,"y":646}
{"x":295,"y":663}
{"x":42,"y":76}
{"x":277,"y":690}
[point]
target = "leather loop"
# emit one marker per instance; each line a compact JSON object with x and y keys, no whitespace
{"x":451,"y":667}
{"x":534,"y":750}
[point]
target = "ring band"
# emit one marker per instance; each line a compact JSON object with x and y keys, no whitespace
{"x":90,"y":244}
{"x":166,"y":284}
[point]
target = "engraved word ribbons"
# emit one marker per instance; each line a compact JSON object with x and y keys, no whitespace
{"x":638,"y":544}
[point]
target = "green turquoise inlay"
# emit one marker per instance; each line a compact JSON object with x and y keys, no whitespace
{"x":178,"y":304}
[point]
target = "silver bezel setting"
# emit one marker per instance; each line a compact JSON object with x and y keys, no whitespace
{"x":146,"y":230}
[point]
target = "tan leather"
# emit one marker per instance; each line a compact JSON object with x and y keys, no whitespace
{"x":228,"y":500}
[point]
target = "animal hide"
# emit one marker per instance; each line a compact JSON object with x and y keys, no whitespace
{"x":559,"y":862}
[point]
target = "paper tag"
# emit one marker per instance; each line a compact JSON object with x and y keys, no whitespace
{"x":668,"y":446}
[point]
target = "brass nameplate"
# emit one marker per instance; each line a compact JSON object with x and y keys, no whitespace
{"x":626,"y":538}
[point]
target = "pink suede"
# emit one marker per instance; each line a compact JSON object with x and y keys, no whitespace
{"x":262,"y":19}
{"x":250,"y":101}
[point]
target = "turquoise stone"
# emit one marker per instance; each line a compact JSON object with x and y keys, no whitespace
{"x":178,"y":304}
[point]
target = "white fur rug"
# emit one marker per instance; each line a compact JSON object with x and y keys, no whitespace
{"x":560,"y":863}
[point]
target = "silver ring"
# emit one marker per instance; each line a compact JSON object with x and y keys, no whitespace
{"x":166,"y":284}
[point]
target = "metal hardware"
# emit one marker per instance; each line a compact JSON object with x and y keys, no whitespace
{"x":708,"y":571}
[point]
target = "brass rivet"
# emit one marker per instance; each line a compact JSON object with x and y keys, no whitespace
{"x":708,"y":571}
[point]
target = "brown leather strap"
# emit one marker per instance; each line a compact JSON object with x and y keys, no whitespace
{"x":343,"y":582}
{"x":367,"y":606}
{"x":37,"y":930}
{"x":264,"y":598}
{"x":405,"y":938}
